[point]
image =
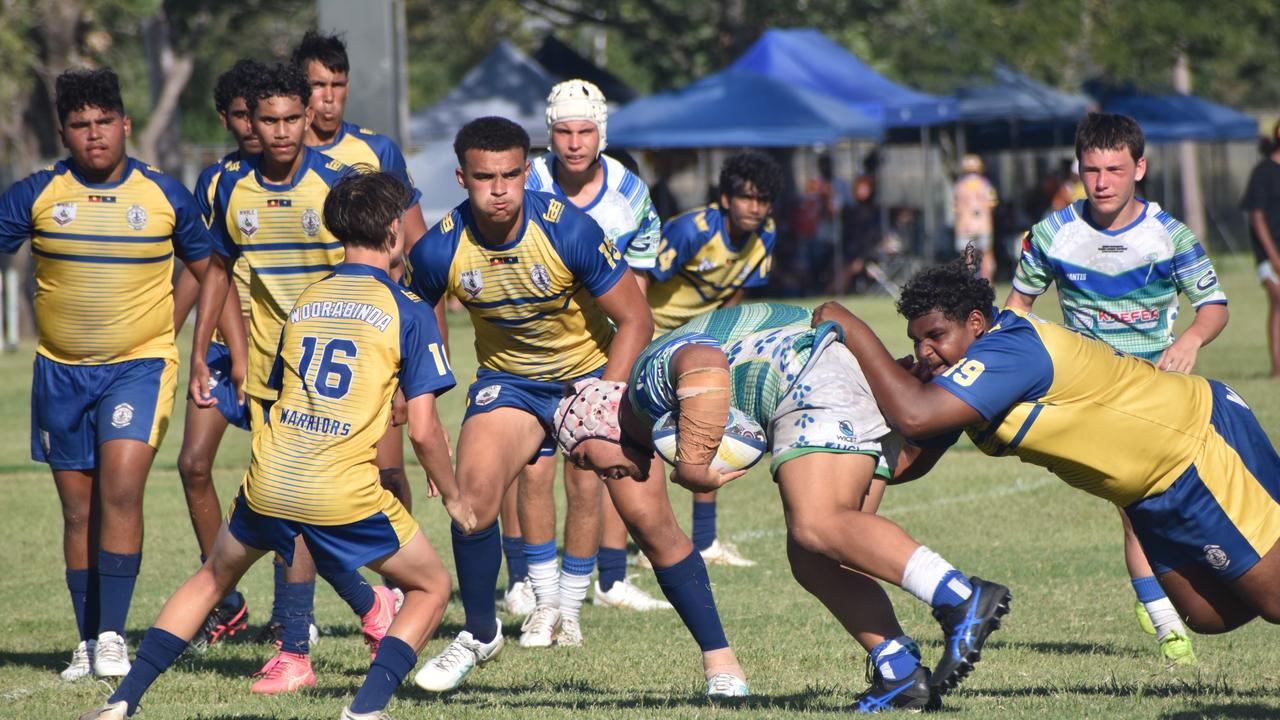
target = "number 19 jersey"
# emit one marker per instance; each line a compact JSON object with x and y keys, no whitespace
{"x":348,"y":343}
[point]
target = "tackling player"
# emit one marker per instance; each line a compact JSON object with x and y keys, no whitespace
{"x":707,"y":260}
{"x":267,"y":209}
{"x":1181,"y":455}
{"x":352,"y":340}
{"x":575,"y":171}
{"x":1119,"y":262}
{"x":826,"y":438}
{"x":104,"y":229}
{"x":227,"y":360}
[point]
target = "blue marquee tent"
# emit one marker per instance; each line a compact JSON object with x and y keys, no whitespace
{"x":733,"y":108}
{"x":1174,"y":117}
{"x":1012,"y":96}
{"x":806,"y":58}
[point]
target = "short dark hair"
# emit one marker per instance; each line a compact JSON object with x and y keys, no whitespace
{"x":754,"y":167}
{"x":236,"y":83}
{"x":1105,"y":131}
{"x":329,"y":50}
{"x":80,"y":88}
{"x":954,"y":288}
{"x":361,"y":205}
{"x":492,"y":134}
{"x":279,"y":81}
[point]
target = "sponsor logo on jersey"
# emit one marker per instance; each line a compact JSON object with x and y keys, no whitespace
{"x":136,"y":216}
{"x":846,"y":429}
{"x":1113,"y":248}
{"x":472,"y":281}
{"x":1206,"y":282}
{"x":554,"y":210}
{"x":334,"y":165}
{"x":446,"y":225}
{"x":541,"y":277}
{"x":248,"y":222}
{"x":1233,"y":397}
{"x":311,"y":222}
{"x":1216,"y":557}
{"x":64,"y":213}
{"x":1129,"y":316}
{"x":706,"y":265}
{"x":487,"y":394}
{"x":122,"y":415}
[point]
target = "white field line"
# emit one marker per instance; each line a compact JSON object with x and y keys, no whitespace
{"x":1018,"y":486}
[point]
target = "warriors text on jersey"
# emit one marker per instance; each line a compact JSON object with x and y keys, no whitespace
{"x":699,"y":266}
{"x":1120,"y":286}
{"x":104,"y":259}
{"x":350,"y":341}
{"x":532,"y":299}
{"x":622,"y":208}
{"x":278,"y":229}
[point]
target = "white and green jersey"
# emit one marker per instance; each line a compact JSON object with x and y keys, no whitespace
{"x":1120,"y":286}
{"x":622,"y":208}
{"x":769,"y":345}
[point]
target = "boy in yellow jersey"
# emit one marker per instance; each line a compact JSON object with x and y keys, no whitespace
{"x":352,"y":340}
{"x":1182,"y":455}
{"x":204,"y":427}
{"x":104,"y":228}
{"x":542,"y":284}
{"x":267,"y":210}
{"x":707,"y":259}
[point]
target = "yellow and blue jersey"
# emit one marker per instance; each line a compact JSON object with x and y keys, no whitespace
{"x":700,"y":267}
{"x":532,"y":299}
{"x":206,"y":183}
{"x":103,"y":259}
{"x":1104,"y":421}
{"x":279,"y":231}
{"x":354,"y":145}
{"x":348,"y":343}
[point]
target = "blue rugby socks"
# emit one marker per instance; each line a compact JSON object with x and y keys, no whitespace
{"x":688,"y":589}
{"x":704,"y":524}
{"x":1164,"y":617}
{"x":612,"y":564}
{"x":354,"y":590}
{"x":390,"y":666}
{"x":896,"y":658}
{"x":117,"y":575}
{"x":934,"y":580}
{"x":297,"y":604}
{"x":513,"y":553}
{"x":78,"y":586}
{"x":478,"y":558}
{"x":159,"y":650}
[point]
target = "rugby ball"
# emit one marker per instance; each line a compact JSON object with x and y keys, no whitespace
{"x":743,"y":444}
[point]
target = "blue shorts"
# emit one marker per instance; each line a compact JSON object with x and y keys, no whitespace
{"x":219,"y":361}
{"x":493,"y":389}
{"x":335,"y":548}
{"x":1224,"y":511}
{"x":76,"y":408}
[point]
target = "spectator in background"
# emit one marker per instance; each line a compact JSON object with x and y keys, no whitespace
{"x":975,"y":203}
{"x":860,"y":234}
{"x":1262,"y":202}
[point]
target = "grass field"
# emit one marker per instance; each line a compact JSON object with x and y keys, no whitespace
{"x":1070,"y":649}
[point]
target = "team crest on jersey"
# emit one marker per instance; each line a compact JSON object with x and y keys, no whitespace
{"x":248,"y":222}
{"x":473,"y":282}
{"x":136,"y":216}
{"x":541,"y":277}
{"x":122,"y":416}
{"x":706,"y":265}
{"x":1216,"y":557}
{"x":311,"y":222}
{"x":487,"y":394}
{"x":64,"y":213}
{"x":554,"y":210}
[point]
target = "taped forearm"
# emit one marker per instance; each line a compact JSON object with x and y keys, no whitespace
{"x":703,"y":397}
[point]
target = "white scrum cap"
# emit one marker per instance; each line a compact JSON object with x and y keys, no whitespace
{"x":578,"y":100}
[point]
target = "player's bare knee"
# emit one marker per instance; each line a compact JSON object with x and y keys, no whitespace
{"x":810,"y":534}
{"x":196,"y":471}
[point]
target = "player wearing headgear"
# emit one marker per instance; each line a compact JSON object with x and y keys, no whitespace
{"x":1120,"y":262}
{"x":104,"y":228}
{"x":707,"y":259}
{"x":577,"y":171}
{"x":323,"y":59}
{"x":267,"y":210}
{"x":353,"y":338}
{"x":827,"y":441}
{"x":227,"y":360}
{"x":1181,"y":455}
{"x":545,"y":289}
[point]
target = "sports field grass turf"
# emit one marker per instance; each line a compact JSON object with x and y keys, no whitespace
{"x":1070,"y":649}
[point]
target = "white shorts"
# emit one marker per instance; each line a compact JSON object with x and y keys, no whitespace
{"x":1266,"y":273}
{"x":830,"y":408}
